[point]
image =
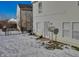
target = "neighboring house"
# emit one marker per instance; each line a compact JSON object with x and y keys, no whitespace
{"x":24,"y":16}
{"x":3,"y":23}
{"x":12,"y":23}
{"x":63,"y":15}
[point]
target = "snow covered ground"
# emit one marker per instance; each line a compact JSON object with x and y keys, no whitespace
{"x":23,"y":45}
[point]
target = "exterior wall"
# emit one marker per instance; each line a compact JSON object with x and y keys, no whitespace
{"x":57,"y":13}
{"x":24,"y":18}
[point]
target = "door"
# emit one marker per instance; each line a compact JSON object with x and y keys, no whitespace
{"x":46,"y":32}
{"x":39,"y":27}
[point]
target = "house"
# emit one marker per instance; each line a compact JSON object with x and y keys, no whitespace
{"x":12,"y":23}
{"x":63,"y":15}
{"x":24,"y":16}
{"x":3,"y":23}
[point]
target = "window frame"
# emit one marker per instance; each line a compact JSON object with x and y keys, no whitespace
{"x":40,"y":7}
{"x":73,"y":29}
{"x":63,"y":29}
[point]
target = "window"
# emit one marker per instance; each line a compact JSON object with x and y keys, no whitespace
{"x":70,"y":29}
{"x":66,"y":29}
{"x":75,"y":30}
{"x":40,"y":7}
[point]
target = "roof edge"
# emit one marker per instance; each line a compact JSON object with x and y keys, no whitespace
{"x":34,"y":2}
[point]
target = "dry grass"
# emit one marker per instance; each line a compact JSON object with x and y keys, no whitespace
{"x":50,"y":44}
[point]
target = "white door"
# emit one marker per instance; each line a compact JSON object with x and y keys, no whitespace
{"x":37,"y":27}
{"x":46,"y":32}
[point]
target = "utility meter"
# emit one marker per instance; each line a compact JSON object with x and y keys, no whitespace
{"x":56,"y":30}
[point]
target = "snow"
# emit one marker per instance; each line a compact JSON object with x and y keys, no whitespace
{"x":23,"y":45}
{"x":12,"y":19}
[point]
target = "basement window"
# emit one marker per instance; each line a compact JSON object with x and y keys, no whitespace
{"x":78,"y":3}
{"x":40,"y":7}
{"x":75,"y":30}
{"x":66,"y":29}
